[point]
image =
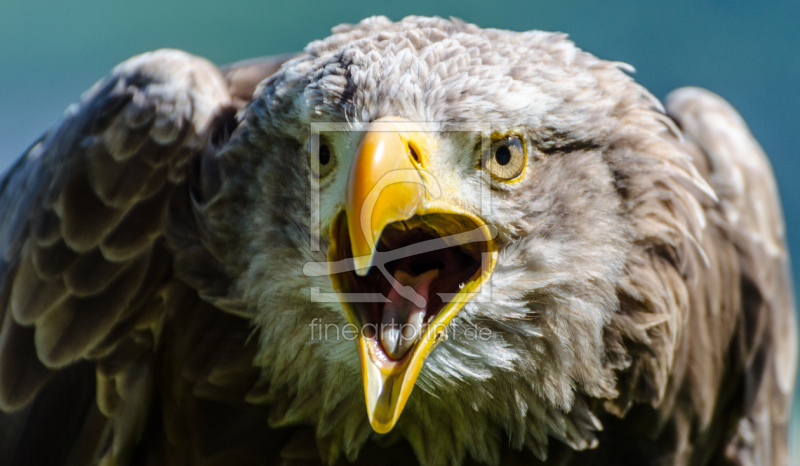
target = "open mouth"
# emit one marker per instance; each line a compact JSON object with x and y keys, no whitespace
{"x":420,"y":266}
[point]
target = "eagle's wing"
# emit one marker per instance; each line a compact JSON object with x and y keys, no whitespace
{"x":243,"y":76}
{"x":765,"y":357}
{"x":90,"y":309}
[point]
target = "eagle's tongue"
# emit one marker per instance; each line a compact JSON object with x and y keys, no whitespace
{"x":404,"y":314}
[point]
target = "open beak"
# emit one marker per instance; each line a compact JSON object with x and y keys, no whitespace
{"x":404,"y":261}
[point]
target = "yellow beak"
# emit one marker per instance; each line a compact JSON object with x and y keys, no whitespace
{"x":388,"y":183}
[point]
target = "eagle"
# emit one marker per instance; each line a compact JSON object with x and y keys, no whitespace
{"x":415,"y":242}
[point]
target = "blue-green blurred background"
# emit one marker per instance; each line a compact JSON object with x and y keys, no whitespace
{"x":748,"y":52}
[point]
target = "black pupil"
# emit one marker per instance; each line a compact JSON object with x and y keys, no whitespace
{"x":324,"y":155}
{"x":503,"y":155}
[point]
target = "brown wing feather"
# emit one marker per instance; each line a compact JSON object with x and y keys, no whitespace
{"x":765,"y":348}
{"x":84,"y":263}
{"x":243,"y":76}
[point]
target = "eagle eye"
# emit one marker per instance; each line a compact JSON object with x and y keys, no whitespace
{"x":321,"y":157}
{"x":507,"y":158}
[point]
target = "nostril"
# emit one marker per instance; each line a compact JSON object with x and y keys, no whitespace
{"x":414,"y":153}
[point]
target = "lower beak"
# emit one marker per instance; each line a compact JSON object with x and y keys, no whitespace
{"x":387,"y":184}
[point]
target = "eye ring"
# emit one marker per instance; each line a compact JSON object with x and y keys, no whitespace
{"x":321,"y":157}
{"x":507,"y":157}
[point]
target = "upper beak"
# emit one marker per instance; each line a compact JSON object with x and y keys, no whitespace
{"x":388,"y":183}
